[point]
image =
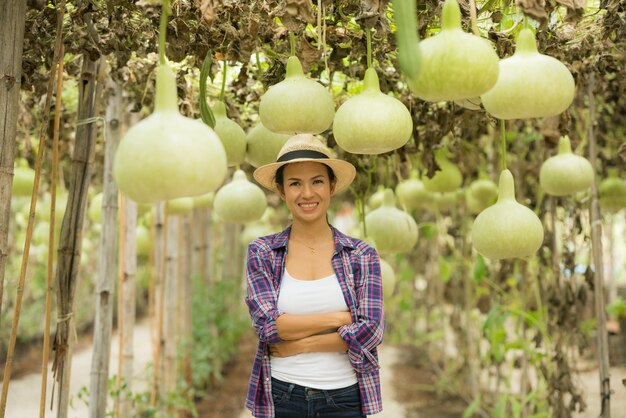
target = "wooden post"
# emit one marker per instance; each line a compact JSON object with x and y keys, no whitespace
{"x":184,"y":284}
{"x":107,"y":264}
{"x":12,"y":16}
{"x":170,"y":304}
{"x":72,"y":228}
{"x":598,"y":261}
{"x":128,"y":308}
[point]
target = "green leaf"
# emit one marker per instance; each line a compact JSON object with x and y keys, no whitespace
{"x":445,"y":269}
{"x":480,"y":269}
{"x":469,"y":411}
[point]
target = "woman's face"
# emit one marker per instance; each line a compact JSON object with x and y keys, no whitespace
{"x":307,"y":190}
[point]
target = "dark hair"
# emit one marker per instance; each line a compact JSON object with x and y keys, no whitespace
{"x":278,"y":178}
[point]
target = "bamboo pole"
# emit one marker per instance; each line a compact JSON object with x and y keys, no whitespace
{"x":12,"y":17}
{"x":598,"y":277}
{"x":50,"y":272}
{"x":170,"y":336}
{"x":71,"y":230}
{"x":33,"y":206}
{"x":120,"y":301}
{"x":128,"y":309}
{"x":107,"y":263}
{"x":159,"y":292}
{"x":185,"y":240}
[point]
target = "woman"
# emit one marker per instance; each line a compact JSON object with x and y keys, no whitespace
{"x":315,"y":298}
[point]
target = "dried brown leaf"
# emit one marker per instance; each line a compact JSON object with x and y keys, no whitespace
{"x":533,"y":8}
{"x":572,"y":4}
{"x":207,"y":8}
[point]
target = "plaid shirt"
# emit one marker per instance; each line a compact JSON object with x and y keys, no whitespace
{"x":357,"y":267}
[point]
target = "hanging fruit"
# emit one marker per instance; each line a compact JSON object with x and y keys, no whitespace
{"x":530,"y":84}
{"x":144,"y":242}
{"x":23,"y":179}
{"x":612,"y":191}
{"x":389,"y":278}
{"x":376,"y":199}
{"x":565,"y":173}
{"x":507,"y":229}
{"x":167,"y":155}
{"x":240,"y":201}
{"x":263,"y":145}
{"x":455,"y":65}
{"x":179,"y":206}
{"x":447,"y":201}
{"x":412,"y":193}
{"x":447,"y":179}
{"x":392,"y":229}
{"x":480,"y":194}
{"x":232,"y":136}
{"x":204,"y":201}
{"x":297,"y":104}
{"x":372,"y":122}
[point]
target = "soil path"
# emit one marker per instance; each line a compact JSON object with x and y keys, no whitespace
{"x":24,"y":393}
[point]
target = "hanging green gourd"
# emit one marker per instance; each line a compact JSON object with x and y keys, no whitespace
{"x":23,"y":179}
{"x":389,"y":278}
{"x":372,"y":122}
{"x":565,"y":173}
{"x":144,"y":243}
{"x":412,"y":193}
{"x":392,"y":229}
{"x":480,"y":194}
{"x":95,"y":209}
{"x":447,"y":201}
{"x":447,"y":179}
{"x":376,"y":199}
{"x":530,"y":84}
{"x":179,"y":206}
{"x":240,"y":201}
{"x":297,"y":104}
{"x":204,"y":201}
{"x":232,"y":136}
{"x":455,"y":65}
{"x":507,"y":229}
{"x":612,"y":193}
{"x":263,"y":145}
{"x":167,"y":155}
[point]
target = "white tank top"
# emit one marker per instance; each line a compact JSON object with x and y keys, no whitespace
{"x":314,"y":370}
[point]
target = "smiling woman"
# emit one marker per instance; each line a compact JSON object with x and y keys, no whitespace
{"x":317,"y":334}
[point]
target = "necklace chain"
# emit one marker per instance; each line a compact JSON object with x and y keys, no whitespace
{"x":312,"y":249}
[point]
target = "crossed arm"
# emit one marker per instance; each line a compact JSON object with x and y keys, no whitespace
{"x":310,"y":333}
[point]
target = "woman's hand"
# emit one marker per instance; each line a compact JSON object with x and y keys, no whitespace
{"x":286,"y":348}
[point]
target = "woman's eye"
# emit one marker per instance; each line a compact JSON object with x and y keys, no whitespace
{"x":295,"y":183}
{"x":318,"y":181}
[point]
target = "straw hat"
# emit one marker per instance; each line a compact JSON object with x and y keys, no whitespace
{"x":305,"y":147}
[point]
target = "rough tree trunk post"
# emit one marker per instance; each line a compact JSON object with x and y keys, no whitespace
{"x":71,"y":230}
{"x":107,"y":264}
{"x":184,"y":258}
{"x":12,"y":17}
{"x":128,"y":309}
{"x":598,"y":260}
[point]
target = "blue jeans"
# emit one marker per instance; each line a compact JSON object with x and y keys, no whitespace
{"x":295,"y":401}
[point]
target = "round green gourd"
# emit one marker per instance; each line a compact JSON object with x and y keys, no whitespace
{"x":447,"y":179}
{"x":23,"y":179}
{"x":232,"y":136}
{"x":297,"y":104}
{"x":612,"y":192}
{"x":204,"y":201}
{"x":376,"y":199}
{"x":144,"y":242}
{"x":530,"y":84}
{"x":372,"y":122}
{"x":412,"y":193}
{"x":565,"y":173}
{"x":507,"y":229}
{"x":447,"y":201}
{"x":392,"y":229}
{"x":167,"y":155}
{"x":179,"y":206}
{"x":480,"y":195}
{"x":263,"y":145}
{"x":240,"y":201}
{"x":455,"y":65}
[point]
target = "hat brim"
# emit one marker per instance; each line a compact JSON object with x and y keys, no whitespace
{"x":343,"y":170}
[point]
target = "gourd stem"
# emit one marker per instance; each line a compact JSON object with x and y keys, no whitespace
{"x":224,"y":71}
{"x":503,"y":143}
{"x":292,"y":43}
{"x":368,"y":32}
{"x":405,"y":16}
{"x":163,"y":30}
{"x":205,"y":111}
